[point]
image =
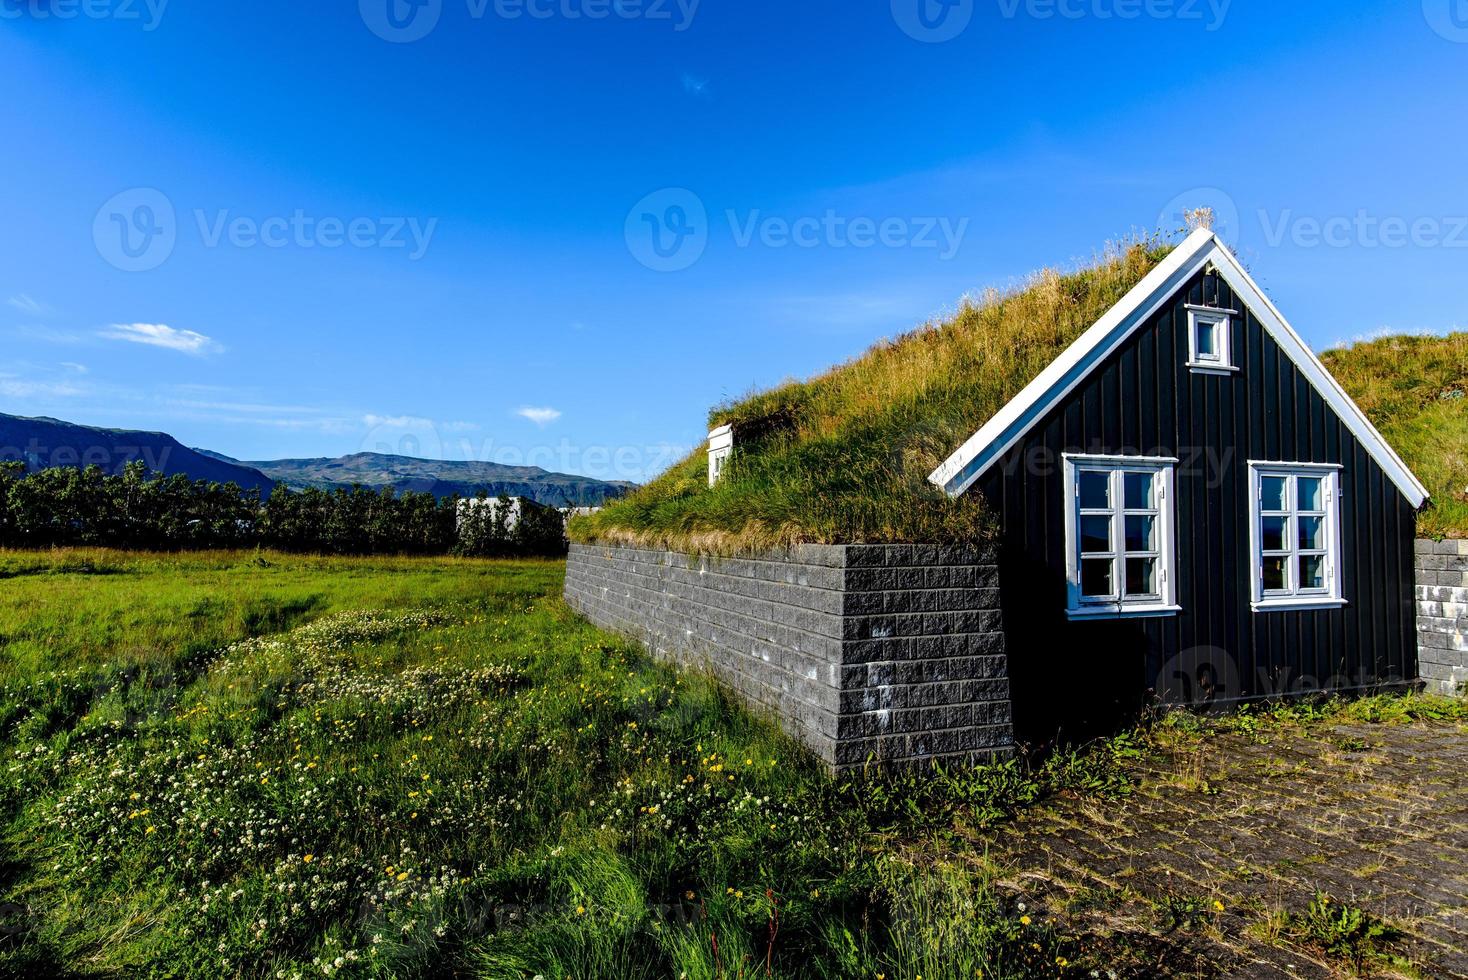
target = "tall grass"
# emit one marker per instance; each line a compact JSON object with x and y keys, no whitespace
{"x":844,"y":457}
{"x":1415,"y":390}
{"x":431,"y":767}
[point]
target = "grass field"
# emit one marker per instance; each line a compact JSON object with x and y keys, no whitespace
{"x":1415,"y":390}
{"x":260,"y":765}
{"x":266,"y":765}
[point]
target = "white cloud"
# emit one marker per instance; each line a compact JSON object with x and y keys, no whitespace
{"x":74,"y":367}
{"x":540,"y":416}
{"x":162,"y":335}
{"x":38,"y":389}
{"x":28,"y":305}
{"x":46,"y":335}
{"x":397,"y":421}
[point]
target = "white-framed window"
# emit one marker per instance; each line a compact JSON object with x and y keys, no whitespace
{"x":1295,"y":535}
{"x":1210,"y":340}
{"x":721,"y":447}
{"x":1119,"y":533}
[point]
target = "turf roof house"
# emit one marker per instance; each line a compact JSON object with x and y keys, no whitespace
{"x":1187,"y":504}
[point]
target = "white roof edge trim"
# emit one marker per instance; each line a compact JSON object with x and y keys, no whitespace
{"x":1318,"y":375}
{"x":960,"y":471}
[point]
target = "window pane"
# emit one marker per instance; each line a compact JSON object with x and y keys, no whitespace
{"x":1207,"y":341}
{"x":1139,"y":487}
{"x":1311,"y":497}
{"x":1096,"y":578}
{"x":1141,"y":534}
{"x":1095,"y":491}
{"x":1274,"y":574}
{"x":1312,"y":534}
{"x":1095,"y":534}
{"x":1272,"y":493}
{"x":1141,"y":576}
{"x":1312,"y":572}
{"x":1275,"y":535}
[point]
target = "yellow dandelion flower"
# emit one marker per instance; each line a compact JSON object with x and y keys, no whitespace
{"x":1024,"y":920}
{"x":308,"y":858}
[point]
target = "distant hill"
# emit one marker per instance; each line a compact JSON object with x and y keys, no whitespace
{"x":440,"y":477}
{"x":43,"y":443}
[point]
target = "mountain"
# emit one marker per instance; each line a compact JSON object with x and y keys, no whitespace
{"x":43,"y":443}
{"x":441,"y":477}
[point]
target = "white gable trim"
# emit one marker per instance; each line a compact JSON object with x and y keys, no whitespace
{"x":997,"y":436}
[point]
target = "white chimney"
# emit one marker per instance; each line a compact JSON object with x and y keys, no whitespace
{"x":721,"y":447}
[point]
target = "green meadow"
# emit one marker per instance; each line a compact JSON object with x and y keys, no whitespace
{"x":262,"y":765}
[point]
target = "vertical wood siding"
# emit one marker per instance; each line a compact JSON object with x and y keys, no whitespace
{"x":1145,"y":400}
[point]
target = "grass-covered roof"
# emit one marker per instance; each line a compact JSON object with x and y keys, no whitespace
{"x":1415,"y":390}
{"x":845,"y":456}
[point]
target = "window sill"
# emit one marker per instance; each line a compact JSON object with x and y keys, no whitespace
{"x":1203,"y":367}
{"x":1304,"y":604}
{"x":1122,"y":612}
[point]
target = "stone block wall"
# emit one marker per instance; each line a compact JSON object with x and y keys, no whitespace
{"x":891,"y":653}
{"x":1442,"y":614}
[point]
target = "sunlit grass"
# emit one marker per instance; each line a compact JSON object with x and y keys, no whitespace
{"x":224,"y":765}
{"x":845,"y":456}
{"x":1415,"y":390}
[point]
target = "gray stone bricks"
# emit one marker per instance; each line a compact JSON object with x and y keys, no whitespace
{"x":886,"y":653}
{"x":1442,"y":614}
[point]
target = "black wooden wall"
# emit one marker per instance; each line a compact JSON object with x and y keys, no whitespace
{"x":1077,"y":676}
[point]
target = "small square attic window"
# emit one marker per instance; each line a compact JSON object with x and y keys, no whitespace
{"x":721,"y":447}
{"x":1210,"y":340}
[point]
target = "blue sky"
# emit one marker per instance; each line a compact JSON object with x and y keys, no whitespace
{"x":281,"y":229}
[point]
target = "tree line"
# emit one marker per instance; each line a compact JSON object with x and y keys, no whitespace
{"x":137,"y":509}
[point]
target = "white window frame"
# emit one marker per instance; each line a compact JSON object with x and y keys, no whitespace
{"x":1118,"y":605}
{"x":1293,"y":596}
{"x":1222,"y":321}
{"x":721,"y":447}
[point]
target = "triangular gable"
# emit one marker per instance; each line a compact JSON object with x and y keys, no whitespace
{"x":1062,"y":375}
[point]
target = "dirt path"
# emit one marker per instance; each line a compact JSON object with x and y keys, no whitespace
{"x":1373,"y":816}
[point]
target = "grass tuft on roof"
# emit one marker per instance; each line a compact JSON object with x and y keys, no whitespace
{"x":845,"y":457}
{"x":1415,"y":390}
